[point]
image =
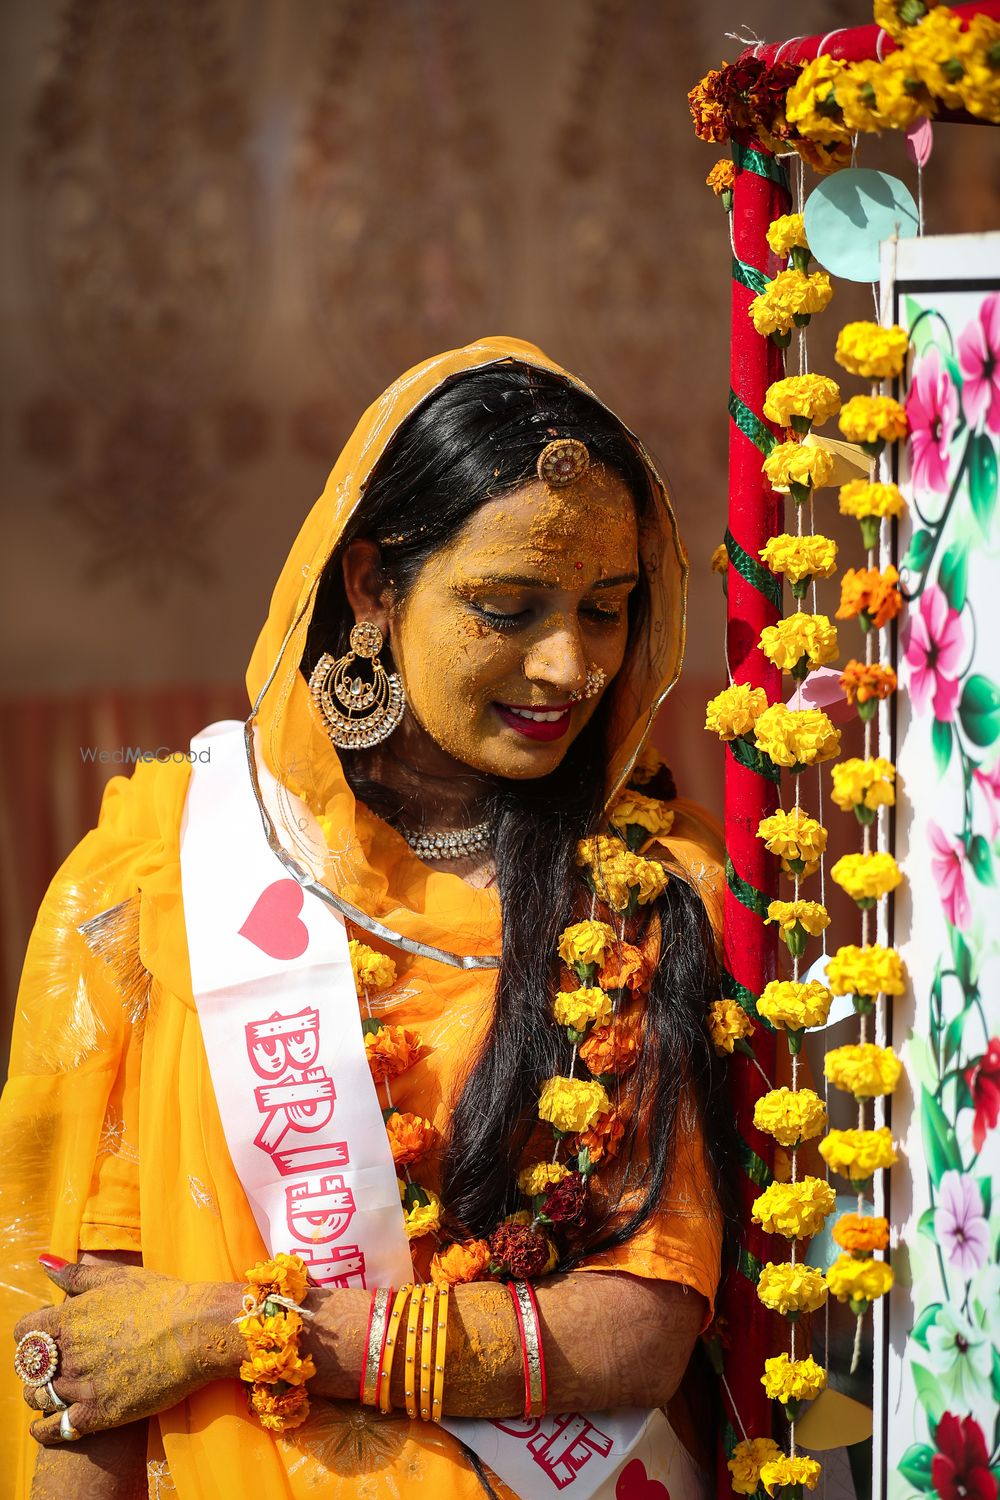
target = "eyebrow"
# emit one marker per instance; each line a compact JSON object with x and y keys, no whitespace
{"x":522,"y":581}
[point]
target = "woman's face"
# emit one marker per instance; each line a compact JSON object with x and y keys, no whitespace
{"x":503,"y":625}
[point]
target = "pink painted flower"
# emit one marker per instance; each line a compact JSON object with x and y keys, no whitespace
{"x":932,"y":409}
{"x":989,"y":784}
{"x":933,"y":646}
{"x":979,"y":357}
{"x":962,"y":1231}
{"x":948,"y":867}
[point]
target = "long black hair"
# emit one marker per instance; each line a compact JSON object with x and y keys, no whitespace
{"x":478,"y":437}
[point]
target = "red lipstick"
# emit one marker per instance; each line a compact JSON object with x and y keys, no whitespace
{"x":536,"y":729}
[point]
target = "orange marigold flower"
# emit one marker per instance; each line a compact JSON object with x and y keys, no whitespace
{"x":465,"y":1260}
{"x":861,"y":1232}
{"x":410,"y":1137}
{"x":722,"y":177}
{"x":871,"y":595}
{"x":604,"y":1136}
{"x":612,"y":1048}
{"x":867,"y":685}
{"x":278,"y":1413}
{"x":706,"y":110}
{"x":391,"y":1050}
{"x":625,"y":967}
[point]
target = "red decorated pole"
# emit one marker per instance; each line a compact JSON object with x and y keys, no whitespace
{"x":755,"y":514}
{"x":861,"y":43}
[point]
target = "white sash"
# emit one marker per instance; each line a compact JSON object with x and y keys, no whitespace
{"x":272,"y":981}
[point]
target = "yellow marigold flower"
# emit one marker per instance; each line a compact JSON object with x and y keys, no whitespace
{"x":633,"y":810}
{"x":866,"y":972}
{"x":648,"y":763}
{"x":859,"y":1282}
{"x":872,"y":351}
{"x":858,"y":1154}
{"x":272,"y":1365}
{"x":747,"y":1460}
{"x":423,"y":1218}
{"x":798,"y":401}
{"x":866,"y":877}
{"x":795,"y":837}
{"x":796,"y":737}
{"x":728,"y":1023}
{"x":811,"y":104}
{"x":790,"y":1115}
{"x":786,"y":234}
{"x":800,"y":642}
{"x":721,"y":179}
{"x":534,"y":1180}
{"x":889,"y":14}
{"x":863,"y":786}
{"x":808,"y":914}
{"x":735,"y":710}
{"x":871,"y":596}
{"x":789,"y":301}
{"x":578,"y":1009}
{"x":791,"y":1289}
{"x":863,"y":1069}
{"x":572,"y":1104}
{"x":719,"y":561}
{"x":872,"y":421}
{"x":861,"y":1233}
{"x":372,"y":971}
{"x":618,"y":876}
{"x":868,"y":685}
{"x":782,"y":1473}
{"x":937,"y":52}
{"x":786,"y":1379}
{"x":869,"y":503}
{"x":823,"y":157}
{"x":797,"y":1210}
{"x":281,"y":1276}
{"x":796,"y":468}
{"x":791,"y":1005}
{"x":274,"y":1331}
{"x":800,"y":559}
{"x":900,"y":97}
{"x":585,"y":942}
{"x":980,"y":83}
{"x":858,"y":98}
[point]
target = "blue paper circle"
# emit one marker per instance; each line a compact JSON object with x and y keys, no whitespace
{"x":850,"y":213}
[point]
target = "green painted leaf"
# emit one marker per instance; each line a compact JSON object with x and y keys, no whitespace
{"x":941,"y":740}
{"x":983,"y":480}
{"x":981,"y":860}
{"x":986,"y":1193}
{"x":927,"y":1227}
{"x":961,"y":958}
{"x":953,"y":575}
{"x":927,"y":1318}
{"x":979,"y":709}
{"x":953,"y":1034}
{"x":928,"y":1393}
{"x":919,"y":551}
{"x":915,"y":1467}
{"x":940,"y":1145}
{"x":995,"y":1375}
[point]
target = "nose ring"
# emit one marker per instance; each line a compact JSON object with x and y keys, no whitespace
{"x":596,"y":678}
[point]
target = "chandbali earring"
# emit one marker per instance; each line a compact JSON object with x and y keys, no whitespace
{"x":373,"y":709}
{"x":595,"y":681}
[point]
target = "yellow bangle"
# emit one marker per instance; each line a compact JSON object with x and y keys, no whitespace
{"x":410,"y":1368}
{"x":426,"y":1350}
{"x":440,"y":1350}
{"x":391,"y":1340}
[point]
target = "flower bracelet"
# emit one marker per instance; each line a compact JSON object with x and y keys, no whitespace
{"x":271,"y":1324}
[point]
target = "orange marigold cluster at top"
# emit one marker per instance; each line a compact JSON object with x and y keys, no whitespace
{"x":867,"y":685}
{"x":391,"y":1050}
{"x":410,"y":1137}
{"x":871,"y":596}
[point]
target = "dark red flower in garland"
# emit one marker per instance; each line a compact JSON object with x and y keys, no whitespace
{"x":519,"y":1249}
{"x":767,"y":96}
{"x":983,"y":1079}
{"x":961,"y":1469}
{"x":733,"y":90}
{"x":566,"y":1201}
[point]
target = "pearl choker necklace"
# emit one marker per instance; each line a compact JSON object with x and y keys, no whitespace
{"x":458,"y":845}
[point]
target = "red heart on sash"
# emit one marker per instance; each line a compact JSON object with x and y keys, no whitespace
{"x":635,"y":1484}
{"x":274,"y":925}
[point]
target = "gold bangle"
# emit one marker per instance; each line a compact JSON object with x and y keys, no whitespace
{"x":426,"y":1343}
{"x":531,"y":1336}
{"x":410,"y":1368}
{"x":378,"y":1319}
{"x":440,"y":1350}
{"x":391,"y":1340}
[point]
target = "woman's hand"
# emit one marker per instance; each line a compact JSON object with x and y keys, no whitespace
{"x":131,"y":1343}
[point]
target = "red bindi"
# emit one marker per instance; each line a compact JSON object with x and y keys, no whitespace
{"x":578,"y":565}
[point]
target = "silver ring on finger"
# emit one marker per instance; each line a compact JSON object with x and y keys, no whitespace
{"x":58,"y":1404}
{"x":67,"y":1431}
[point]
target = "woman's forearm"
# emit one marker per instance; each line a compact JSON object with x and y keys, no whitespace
{"x":104,"y":1466}
{"x":609,"y":1340}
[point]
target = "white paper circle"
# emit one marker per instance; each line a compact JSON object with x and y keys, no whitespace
{"x":850,"y":214}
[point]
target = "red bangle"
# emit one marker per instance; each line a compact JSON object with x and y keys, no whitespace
{"x":539,"y":1411}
